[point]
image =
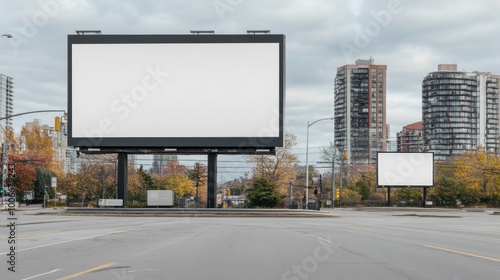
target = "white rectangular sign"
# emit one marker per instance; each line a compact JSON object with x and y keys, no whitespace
{"x":176,"y":87}
{"x":405,"y":169}
{"x":110,"y":202}
{"x":160,"y":198}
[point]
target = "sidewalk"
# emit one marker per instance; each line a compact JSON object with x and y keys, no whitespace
{"x":412,"y":209}
{"x":39,"y":208}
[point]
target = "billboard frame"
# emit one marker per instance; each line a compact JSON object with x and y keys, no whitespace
{"x":247,"y":145}
{"x":404,"y":185}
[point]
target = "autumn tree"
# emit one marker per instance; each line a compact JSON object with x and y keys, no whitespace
{"x":175,"y":168}
{"x":181,"y":185}
{"x":480,"y":173}
{"x":97,"y":176}
{"x":25,"y":174}
{"x":37,"y":144}
{"x":66,"y":184}
{"x":348,"y":195}
{"x":32,"y":151}
{"x":278,"y":168}
{"x":136,"y":189}
{"x":198,"y":174}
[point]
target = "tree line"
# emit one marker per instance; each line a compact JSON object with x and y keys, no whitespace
{"x":470,"y":179}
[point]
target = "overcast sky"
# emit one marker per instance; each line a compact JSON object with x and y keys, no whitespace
{"x":410,"y":37}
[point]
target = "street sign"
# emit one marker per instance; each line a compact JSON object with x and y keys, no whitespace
{"x":110,"y":202}
{"x":54,"y":182}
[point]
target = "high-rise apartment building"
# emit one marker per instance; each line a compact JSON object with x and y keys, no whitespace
{"x":460,"y":111}
{"x":410,"y":138}
{"x":360,"y":110}
{"x":6,"y":100}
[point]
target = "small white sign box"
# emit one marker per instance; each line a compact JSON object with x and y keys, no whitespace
{"x":160,"y":198}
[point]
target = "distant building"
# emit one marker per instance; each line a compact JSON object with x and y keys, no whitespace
{"x":409,"y":139}
{"x":6,"y":101}
{"x":67,"y":156}
{"x":460,"y":111}
{"x":360,"y":111}
{"x":160,"y":163}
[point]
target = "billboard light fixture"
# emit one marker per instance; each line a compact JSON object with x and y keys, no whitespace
{"x":253,"y":32}
{"x":86,"y":32}
{"x":170,"y":150}
{"x":198,"y":32}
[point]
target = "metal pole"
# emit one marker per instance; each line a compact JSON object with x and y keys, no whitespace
{"x":32,"y":112}
{"x":333,"y":180}
{"x":340,"y":186}
{"x":307,"y":158}
{"x":307,"y":167}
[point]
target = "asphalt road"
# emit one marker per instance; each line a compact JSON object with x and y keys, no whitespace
{"x":354,"y":245}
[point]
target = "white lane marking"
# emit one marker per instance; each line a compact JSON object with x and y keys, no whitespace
{"x":65,"y":241}
{"x":46,"y":273}
{"x":326,"y":240}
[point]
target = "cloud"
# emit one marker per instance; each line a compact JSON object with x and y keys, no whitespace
{"x":412,"y":43}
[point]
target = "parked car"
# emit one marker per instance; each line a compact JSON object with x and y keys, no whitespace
{"x":5,"y":203}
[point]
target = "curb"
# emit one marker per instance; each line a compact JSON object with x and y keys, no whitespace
{"x":194,"y":212}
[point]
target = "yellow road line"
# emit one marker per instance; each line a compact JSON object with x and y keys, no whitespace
{"x":33,"y":233}
{"x":87,"y":271}
{"x":463,"y":253}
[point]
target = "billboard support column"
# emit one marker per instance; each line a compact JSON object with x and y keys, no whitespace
{"x":123,"y":177}
{"x":388,"y":196}
{"x":424,"y":198}
{"x":212,"y":181}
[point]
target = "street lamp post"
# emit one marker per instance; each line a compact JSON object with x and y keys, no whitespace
{"x":307,"y":158}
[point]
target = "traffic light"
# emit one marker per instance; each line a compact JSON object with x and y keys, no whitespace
{"x":315,"y":190}
{"x":57,"y":125}
{"x":337,"y":194}
{"x":1,"y":191}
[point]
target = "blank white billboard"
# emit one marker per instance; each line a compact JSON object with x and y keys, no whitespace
{"x":405,"y":169}
{"x":172,"y":89}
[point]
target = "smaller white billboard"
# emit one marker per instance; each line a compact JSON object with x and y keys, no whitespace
{"x":160,"y":198}
{"x":110,"y":202}
{"x":405,"y":169}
